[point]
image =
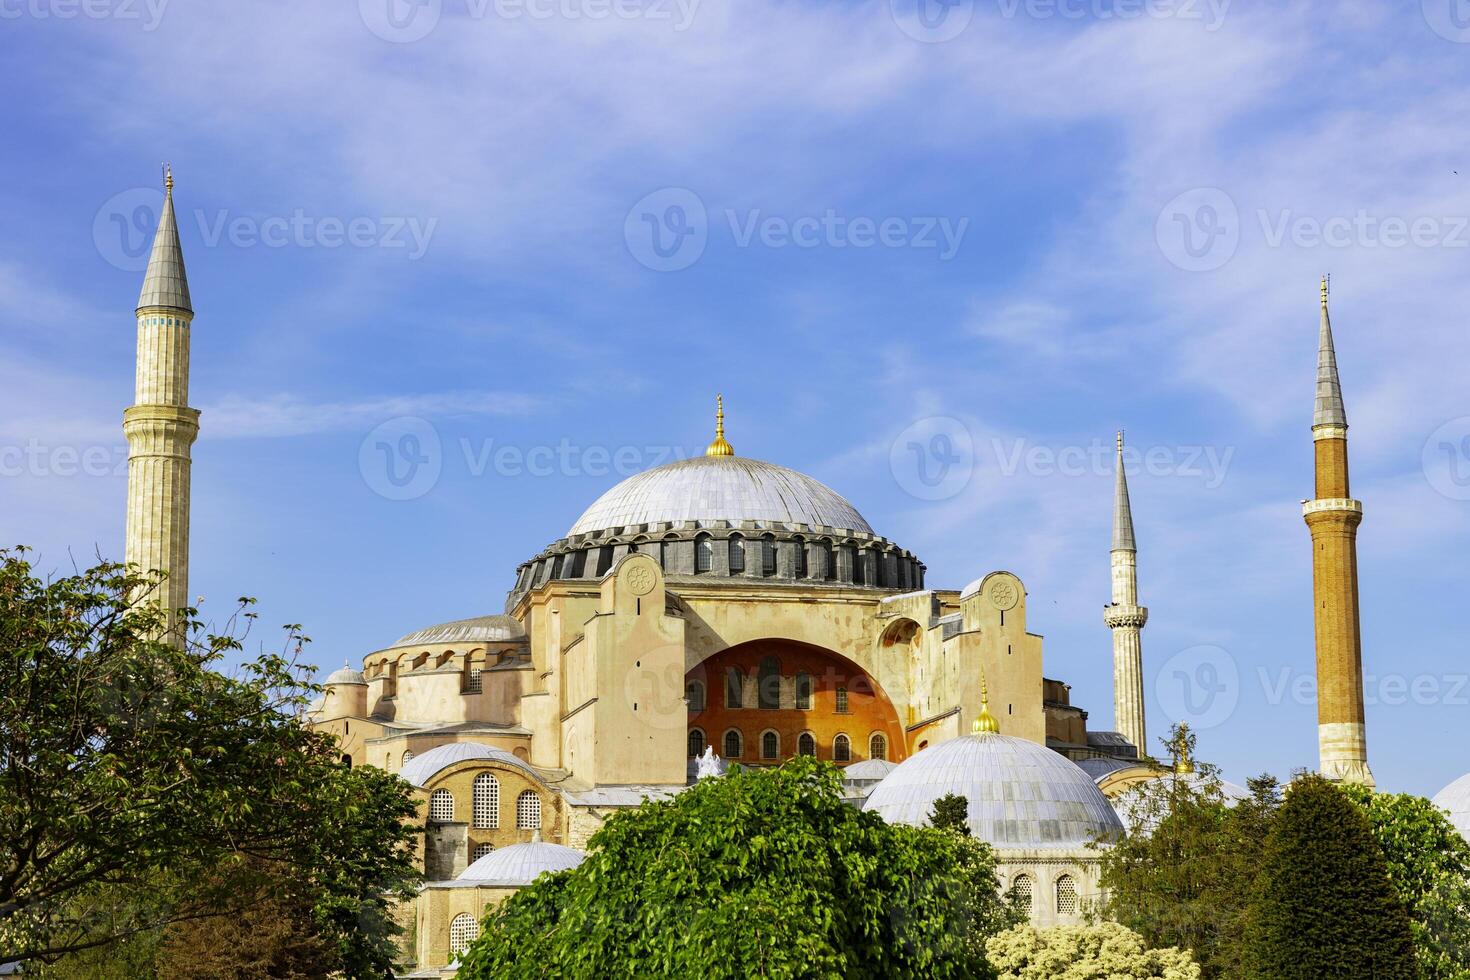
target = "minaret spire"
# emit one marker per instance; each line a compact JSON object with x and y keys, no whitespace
{"x":1333,"y":518}
{"x":160,"y":426}
{"x":1126,"y":618}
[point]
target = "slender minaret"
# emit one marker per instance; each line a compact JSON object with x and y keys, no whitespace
{"x":1333,"y":518}
{"x":160,"y":426}
{"x":1126,"y":618}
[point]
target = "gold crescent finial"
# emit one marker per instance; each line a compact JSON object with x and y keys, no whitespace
{"x":986,"y":723}
{"x":720,"y":447}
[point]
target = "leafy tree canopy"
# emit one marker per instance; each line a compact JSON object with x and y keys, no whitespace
{"x":139,"y":786}
{"x":1429,"y":866}
{"x":1323,"y":905}
{"x":1106,"y":951}
{"x":951,"y":812}
{"x":757,"y":873}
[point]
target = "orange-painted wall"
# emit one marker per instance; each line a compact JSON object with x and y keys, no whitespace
{"x":868,"y":708}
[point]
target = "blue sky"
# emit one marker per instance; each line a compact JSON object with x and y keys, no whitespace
{"x":997,"y":231}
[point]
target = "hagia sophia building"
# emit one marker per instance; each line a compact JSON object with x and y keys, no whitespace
{"x":719,"y":610}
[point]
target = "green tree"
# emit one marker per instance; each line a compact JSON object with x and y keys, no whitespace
{"x":139,"y":786}
{"x":758,"y":873}
{"x":1429,"y":865}
{"x":1182,"y":874}
{"x":1323,"y":907}
{"x":951,"y":812}
{"x":1105,"y":951}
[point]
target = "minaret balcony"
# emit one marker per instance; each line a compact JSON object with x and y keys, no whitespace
{"x":1125,"y":616}
{"x":1332,"y":505}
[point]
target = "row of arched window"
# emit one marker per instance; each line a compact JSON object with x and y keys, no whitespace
{"x":1065,"y":889}
{"x":733,"y":744}
{"x":486,"y":806}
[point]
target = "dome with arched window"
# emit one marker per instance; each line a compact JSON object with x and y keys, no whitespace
{"x":1021,"y":795}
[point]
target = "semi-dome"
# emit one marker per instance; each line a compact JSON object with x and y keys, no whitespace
{"x":1021,"y":795}
{"x":521,"y":864}
{"x":421,"y":768}
{"x":720,"y":488}
{"x":480,"y":629}
{"x":1456,"y":799}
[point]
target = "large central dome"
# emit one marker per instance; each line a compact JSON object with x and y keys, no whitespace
{"x":720,"y":488}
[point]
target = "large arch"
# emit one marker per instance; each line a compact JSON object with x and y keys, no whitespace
{"x":844,"y":700}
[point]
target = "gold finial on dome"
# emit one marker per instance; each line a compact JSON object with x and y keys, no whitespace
{"x":1326,"y":288}
{"x":986,"y":723}
{"x":168,"y":177}
{"x":719,"y":447}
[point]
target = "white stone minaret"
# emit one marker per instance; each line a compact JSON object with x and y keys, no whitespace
{"x":160,"y":426}
{"x":1126,"y":618}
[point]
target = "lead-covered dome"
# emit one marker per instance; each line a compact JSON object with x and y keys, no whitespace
{"x":1456,"y":799}
{"x":1021,"y":795}
{"x":720,"y":488}
{"x":521,"y":864}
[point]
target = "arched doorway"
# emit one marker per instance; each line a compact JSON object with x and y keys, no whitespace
{"x":804,"y":695}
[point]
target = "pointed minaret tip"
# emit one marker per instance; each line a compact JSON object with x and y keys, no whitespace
{"x":1329,"y":410}
{"x":166,"y":284}
{"x":1122,"y":511}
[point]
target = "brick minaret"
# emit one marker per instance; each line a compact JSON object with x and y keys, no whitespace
{"x":160,"y":426}
{"x":1333,"y":518}
{"x":1126,"y":618}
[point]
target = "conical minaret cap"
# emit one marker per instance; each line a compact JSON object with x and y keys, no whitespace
{"x":1122,"y":512}
{"x":165,"y":284}
{"x":1329,"y":409}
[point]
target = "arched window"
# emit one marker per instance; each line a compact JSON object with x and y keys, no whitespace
{"x":1066,"y":896}
{"x":441,"y":805}
{"x":804,"y":692}
{"x":407,"y":756}
{"x":704,"y":553}
{"x":694,"y":694}
{"x":487,"y":802}
{"x":528,"y":811}
{"x":732,"y":744}
{"x":768,"y":555}
{"x":1021,"y":888}
{"x":472,"y":682}
{"x":829,"y":563}
{"x":464,"y":929}
{"x":481,"y":850}
{"x":347,"y":760}
{"x":770,"y":746}
{"x":737,"y":554}
{"x":877,"y":746}
{"x":859,"y":566}
{"x":768,"y":686}
{"x":800,"y":564}
{"x":806,"y":745}
{"x":604,"y":559}
{"x":841,"y":700}
{"x":696,"y":743}
{"x":841,"y":749}
{"x":734,"y":687}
